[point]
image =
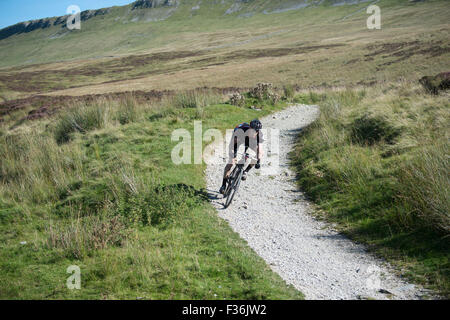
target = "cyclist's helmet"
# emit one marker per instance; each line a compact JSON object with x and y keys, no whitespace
{"x":256,"y":124}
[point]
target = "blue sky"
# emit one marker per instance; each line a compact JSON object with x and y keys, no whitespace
{"x":13,"y":11}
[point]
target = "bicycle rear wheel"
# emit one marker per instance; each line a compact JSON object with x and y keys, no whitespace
{"x":235,"y":183}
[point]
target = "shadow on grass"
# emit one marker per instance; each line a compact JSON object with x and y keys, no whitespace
{"x":201,"y":194}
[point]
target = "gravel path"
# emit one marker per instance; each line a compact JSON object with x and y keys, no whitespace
{"x":273,"y":217}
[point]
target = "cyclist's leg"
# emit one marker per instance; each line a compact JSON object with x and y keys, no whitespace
{"x":226,"y":174}
{"x":228,"y":169}
{"x":249,"y":167}
{"x":231,"y":161}
{"x":251,"y":164}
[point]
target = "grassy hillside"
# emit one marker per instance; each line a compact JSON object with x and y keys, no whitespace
{"x":314,"y":46}
{"x":103,"y":194}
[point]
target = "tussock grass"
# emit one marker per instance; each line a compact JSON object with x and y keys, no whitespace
{"x":82,"y":118}
{"x":288,"y":92}
{"x":98,"y":114}
{"x":425,"y":181}
{"x":127,"y":111}
{"x":33,"y":167}
{"x":197,"y":99}
{"x":194,"y":99}
{"x":370,"y":130}
{"x":82,"y":236}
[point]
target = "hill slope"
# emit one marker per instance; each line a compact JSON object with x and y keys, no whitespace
{"x":134,"y":27}
{"x":187,"y":44}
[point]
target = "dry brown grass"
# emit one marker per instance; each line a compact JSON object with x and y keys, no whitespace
{"x":81,"y":236}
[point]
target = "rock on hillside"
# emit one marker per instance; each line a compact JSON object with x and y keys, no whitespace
{"x":143,"y":4}
{"x":29,"y":26}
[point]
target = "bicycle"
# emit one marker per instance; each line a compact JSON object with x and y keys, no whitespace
{"x":234,"y":181}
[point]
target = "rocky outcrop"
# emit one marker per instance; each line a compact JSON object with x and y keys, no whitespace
{"x":143,"y":4}
{"x":250,"y":7}
{"x":29,"y":26}
{"x":88,"y":14}
{"x":24,"y":27}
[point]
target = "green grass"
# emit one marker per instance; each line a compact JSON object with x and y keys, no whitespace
{"x":110,"y":200}
{"x":376,"y":163}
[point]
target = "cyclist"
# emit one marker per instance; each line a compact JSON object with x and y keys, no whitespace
{"x":251,"y":135}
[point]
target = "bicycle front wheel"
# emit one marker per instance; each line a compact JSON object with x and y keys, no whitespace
{"x":234,"y":187}
{"x":230,"y":182}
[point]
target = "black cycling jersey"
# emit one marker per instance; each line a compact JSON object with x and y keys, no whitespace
{"x":244,"y":127}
